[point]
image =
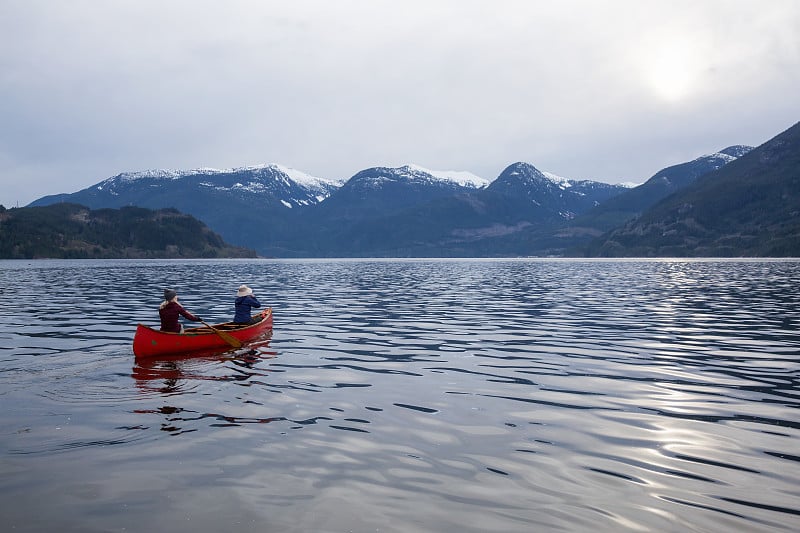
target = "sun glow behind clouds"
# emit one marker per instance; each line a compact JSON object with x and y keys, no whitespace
{"x":672,"y":70}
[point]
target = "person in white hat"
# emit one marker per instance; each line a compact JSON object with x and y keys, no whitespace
{"x":245,"y":302}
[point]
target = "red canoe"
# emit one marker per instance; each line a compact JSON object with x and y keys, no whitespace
{"x":149,"y":342}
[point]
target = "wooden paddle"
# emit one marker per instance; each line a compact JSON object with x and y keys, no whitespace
{"x":227,"y":337}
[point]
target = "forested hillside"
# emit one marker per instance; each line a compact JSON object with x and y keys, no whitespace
{"x":72,"y":231}
{"x":750,"y":207}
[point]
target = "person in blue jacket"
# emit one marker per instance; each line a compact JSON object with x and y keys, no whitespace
{"x":245,"y":302}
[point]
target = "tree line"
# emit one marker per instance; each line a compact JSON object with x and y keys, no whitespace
{"x":72,"y":231}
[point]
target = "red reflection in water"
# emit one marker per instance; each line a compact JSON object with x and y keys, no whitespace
{"x":168,"y":373}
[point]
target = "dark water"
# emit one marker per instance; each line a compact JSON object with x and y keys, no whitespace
{"x":406,"y":396}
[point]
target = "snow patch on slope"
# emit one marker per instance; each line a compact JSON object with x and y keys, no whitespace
{"x":558,"y":180}
{"x":304,"y":179}
{"x":295,"y":175}
{"x":460,"y":177}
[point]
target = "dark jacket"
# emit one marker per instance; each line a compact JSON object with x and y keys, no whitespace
{"x":169,"y":317}
{"x":244,"y":305}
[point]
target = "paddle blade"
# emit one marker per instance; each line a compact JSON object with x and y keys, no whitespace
{"x":227,"y":337}
{"x":230,"y":339}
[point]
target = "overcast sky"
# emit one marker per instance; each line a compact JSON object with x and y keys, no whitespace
{"x":609,"y":90}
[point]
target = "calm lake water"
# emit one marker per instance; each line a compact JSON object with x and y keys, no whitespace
{"x":406,"y":396}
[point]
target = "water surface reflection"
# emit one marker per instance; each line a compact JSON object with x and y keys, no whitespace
{"x":409,"y":396}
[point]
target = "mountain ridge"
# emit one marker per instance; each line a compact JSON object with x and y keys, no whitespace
{"x":402,"y":211}
{"x":630,"y":204}
{"x":749,"y":207}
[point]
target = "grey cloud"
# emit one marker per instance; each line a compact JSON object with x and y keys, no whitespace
{"x":93,"y":88}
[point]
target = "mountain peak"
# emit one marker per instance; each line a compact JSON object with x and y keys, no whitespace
{"x":415,"y":174}
{"x":726,"y":155}
{"x":297,"y":176}
{"x":736,"y":151}
{"x":526,"y":173}
{"x":521,"y":167}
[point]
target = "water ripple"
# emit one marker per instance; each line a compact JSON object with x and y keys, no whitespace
{"x":426,"y":395}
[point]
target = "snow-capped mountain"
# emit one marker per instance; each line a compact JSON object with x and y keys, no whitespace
{"x":264,"y":183}
{"x":385,"y":190}
{"x":669,"y":180}
{"x":526,"y":183}
{"x":748,"y":207}
{"x":414,"y":175}
{"x":458,"y":177}
{"x":678,"y":176}
{"x":246,"y":204}
{"x":407,"y":211}
{"x":283,"y":211}
{"x":410,"y":210}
